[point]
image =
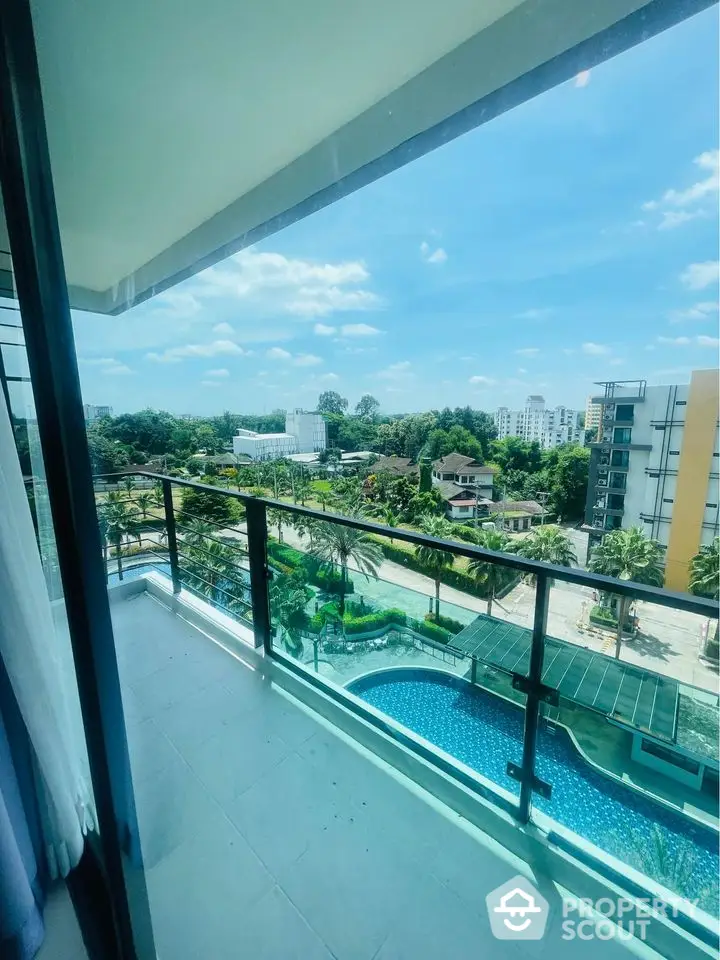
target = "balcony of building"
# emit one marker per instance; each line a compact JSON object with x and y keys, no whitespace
{"x":625,"y":391}
{"x":390,"y":740}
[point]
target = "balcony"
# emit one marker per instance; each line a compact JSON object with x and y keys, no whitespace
{"x":298,"y":746}
{"x":624,"y":391}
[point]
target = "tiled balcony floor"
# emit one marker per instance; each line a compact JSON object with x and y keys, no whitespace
{"x":267,"y":833}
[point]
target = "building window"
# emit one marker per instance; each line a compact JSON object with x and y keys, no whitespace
{"x":681,"y":403}
{"x":667,"y":500}
{"x":711,"y":505}
{"x":622,"y":435}
{"x":673,"y":453}
{"x":620,"y":458}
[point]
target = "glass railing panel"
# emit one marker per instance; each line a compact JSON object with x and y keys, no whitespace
{"x":441,"y":666}
{"x":631,"y":749}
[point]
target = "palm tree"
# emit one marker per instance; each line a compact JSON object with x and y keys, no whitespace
{"x":335,"y":544}
{"x":120,"y":521}
{"x":628,"y":555}
{"x":705,"y":571}
{"x":102,"y":524}
{"x":128,"y":485}
{"x":288,"y":599}
{"x":275,"y":519}
{"x":157,"y":495}
{"x":548,"y":544}
{"x":391,"y":518}
{"x":434,"y":560}
{"x":705,"y":582}
{"x":197,"y":532}
{"x":144,"y":501}
{"x":323,"y":498}
{"x":493,"y":576}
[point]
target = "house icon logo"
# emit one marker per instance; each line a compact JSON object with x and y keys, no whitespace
{"x":517,"y":911}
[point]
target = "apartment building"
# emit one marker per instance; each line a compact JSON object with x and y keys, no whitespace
{"x":304,"y":433}
{"x":308,"y":428}
{"x":656,"y":465}
{"x":593,"y":413}
{"x":535,"y":422}
{"x":94,"y":412}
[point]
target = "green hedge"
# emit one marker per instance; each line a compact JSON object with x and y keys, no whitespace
{"x":447,"y":623}
{"x":450,"y":577}
{"x":604,"y":617}
{"x":431,"y":630}
{"x":313,"y":570}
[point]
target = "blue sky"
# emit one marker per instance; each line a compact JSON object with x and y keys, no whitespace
{"x":570,"y":240}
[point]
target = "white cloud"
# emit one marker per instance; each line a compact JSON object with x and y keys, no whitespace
{"x":396,"y":371}
{"x":482,"y":381}
{"x":700,"y":275}
{"x":214,"y":349}
{"x":223,"y":328}
{"x":209,"y":383}
{"x":700,"y":341}
{"x":534,"y":313}
{"x":307,"y":360}
{"x":293,"y":286}
{"x":674,"y":218}
{"x":178,"y":302}
{"x":521,"y":370}
{"x":699,"y":311}
{"x":107,"y":365}
{"x":673,"y":202}
{"x":467,"y":359}
{"x":327,"y":378}
{"x":359,"y":330}
{"x":582,"y":79}
{"x":528,"y":351}
{"x":432,"y":256}
{"x":277,"y":353}
{"x":222,"y":372}
{"x":322,"y":330}
{"x":595,"y":349}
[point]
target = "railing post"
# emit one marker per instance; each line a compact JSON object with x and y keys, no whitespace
{"x":171,"y":535}
{"x":259,"y":574}
{"x":534,"y":696}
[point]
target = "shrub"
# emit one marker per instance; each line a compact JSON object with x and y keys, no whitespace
{"x":374,"y":621}
{"x":312,"y":569}
{"x":431,"y":630}
{"x":447,"y":623}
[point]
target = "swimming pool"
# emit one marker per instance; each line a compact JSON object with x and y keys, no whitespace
{"x":139,"y":570}
{"x":484,"y":731}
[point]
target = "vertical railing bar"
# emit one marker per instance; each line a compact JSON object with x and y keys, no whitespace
{"x":533,"y":698}
{"x":256,"y":517}
{"x":171,"y":535}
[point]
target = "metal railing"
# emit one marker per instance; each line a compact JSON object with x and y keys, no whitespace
{"x":543,"y":575}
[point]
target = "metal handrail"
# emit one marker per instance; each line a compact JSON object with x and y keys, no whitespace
{"x":595,"y":581}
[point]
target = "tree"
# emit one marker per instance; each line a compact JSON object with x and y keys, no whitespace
{"x":288,"y":599}
{"x":144,"y":501}
{"x":628,"y":555}
{"x":119,"y":521}
{"x":705,"y":571}
{"x":433,"y":559}
{"x":456,"y":440}
{"x":128,"y":485}
{"x":492,"y":575}
{"x":367,"y":406}
{"x":569,"y":482}
{"x":548,"y":544}
{"x":212,"y":507}
{"x":335,"y":544}
{"x":323,"y":498}
{"x":388,"y":516}
{"x":330,"y":401}
{"x":705,"y":582}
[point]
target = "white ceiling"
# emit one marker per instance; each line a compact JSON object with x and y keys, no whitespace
{"x":177,"y":130}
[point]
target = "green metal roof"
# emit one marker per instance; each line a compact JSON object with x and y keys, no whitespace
{"x":634,"y":697}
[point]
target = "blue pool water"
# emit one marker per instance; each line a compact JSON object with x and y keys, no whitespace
{"x":484,"y":731}
{"x":132,"y":573}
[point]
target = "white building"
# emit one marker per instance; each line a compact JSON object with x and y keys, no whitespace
{"x":593,"y":412}
{"x":304,"y":433}
{"x":657,"y":466}
{"x":309,"y":429}
{"x":264,"y":446}
{"x":549,"y":427}
{"x":94,"y":412}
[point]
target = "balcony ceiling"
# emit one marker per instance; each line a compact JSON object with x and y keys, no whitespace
{"x":180,"y":134}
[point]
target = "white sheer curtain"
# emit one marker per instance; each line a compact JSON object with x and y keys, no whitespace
{"x":37,"y":656}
